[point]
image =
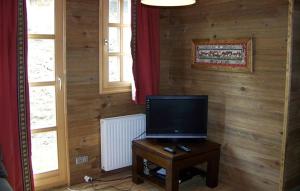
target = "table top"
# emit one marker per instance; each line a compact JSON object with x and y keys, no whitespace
{"x":156,"y":146}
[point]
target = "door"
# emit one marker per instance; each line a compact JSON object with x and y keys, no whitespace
{"x":46,"y":79}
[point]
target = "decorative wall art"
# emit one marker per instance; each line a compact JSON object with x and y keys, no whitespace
{"x":223,"y":55}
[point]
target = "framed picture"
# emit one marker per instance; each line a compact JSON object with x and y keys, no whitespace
{"x":223,"y":55}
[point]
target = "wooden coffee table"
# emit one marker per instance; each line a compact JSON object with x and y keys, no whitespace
{"x":152,"y":150}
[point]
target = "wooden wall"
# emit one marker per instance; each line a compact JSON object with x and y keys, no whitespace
{"x":85,"y":106}
{"x":292,"y":160}
{"x":246,"y":111}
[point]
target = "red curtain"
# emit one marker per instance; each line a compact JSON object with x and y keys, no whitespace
{"x":14,"y":121}
{"x":145,"y":50}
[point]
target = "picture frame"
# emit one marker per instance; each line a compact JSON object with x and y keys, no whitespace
{"x":232,"y":55}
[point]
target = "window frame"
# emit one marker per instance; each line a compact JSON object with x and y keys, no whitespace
{"x":106,"y":87}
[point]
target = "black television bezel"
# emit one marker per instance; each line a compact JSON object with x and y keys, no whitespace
{"x":173,"y":135}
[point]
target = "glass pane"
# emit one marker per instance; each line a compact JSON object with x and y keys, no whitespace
{"x":40,"y":16}
{"x":44,"y":152}
{"x":114,"y":69}
{"x":114,"y":11}
{"x":42,"y":107}
{"x":41,"y":61}
{"x":127,"y":11}
{"x":114,"y":39}
{"x":127,"y":69}
{"x":126,"y":39}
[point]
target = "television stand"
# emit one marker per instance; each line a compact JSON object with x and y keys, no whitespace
{"x":152,"y":150}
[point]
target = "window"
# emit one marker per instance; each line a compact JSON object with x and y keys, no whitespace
{"x":115,"y":53}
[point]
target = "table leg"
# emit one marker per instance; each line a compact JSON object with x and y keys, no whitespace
{"x":172,"y":179}
{"x":137,"y":168}
{"x":213,"y":171}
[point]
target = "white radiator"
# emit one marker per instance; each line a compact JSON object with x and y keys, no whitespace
{"x":116,"y":136}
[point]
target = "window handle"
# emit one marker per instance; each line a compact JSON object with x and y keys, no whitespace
{"x":105,"y":42}
{"x":59,"y":83}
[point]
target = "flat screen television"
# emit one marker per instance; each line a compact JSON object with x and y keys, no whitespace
{"x":176,"y":116}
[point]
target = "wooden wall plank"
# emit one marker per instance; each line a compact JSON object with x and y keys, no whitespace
{"x":292,"y":152}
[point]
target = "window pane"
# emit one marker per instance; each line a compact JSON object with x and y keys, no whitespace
{"x":42,"y":107}
{"x":41,"y":61}
{"x":127,"y":11}
{"x":114,"y":11}
{"x":40,"y":16}
{"x":114,"y":69}
{"x":114,"y":39}
{"x":126,"y":39}
{"x":44,"y":152}
{"x":127,"y":69}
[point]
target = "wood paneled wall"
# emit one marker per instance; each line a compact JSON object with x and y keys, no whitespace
{"x":85,"y":106}
{"x":246,"y":111}
{"x":292,"y":155}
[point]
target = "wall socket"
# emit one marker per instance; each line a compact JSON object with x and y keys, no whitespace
{"x":82,"y":160}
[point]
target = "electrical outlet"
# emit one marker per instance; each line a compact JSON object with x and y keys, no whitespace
{"x":82,"y":159}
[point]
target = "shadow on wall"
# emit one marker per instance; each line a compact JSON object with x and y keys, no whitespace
{"x":220,"y":132}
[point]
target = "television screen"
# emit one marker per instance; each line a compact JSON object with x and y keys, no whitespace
{"x":176,"y":116}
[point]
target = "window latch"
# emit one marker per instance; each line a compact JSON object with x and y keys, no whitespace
{"x":105,"y":42}
{"x":59,"y":83}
